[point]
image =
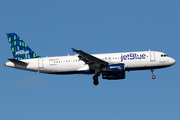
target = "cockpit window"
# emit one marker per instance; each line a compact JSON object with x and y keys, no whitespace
{"x":164,"y":55}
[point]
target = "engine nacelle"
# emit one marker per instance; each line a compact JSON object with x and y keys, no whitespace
{"x":114,"y":68}
{"x":114,"y":71}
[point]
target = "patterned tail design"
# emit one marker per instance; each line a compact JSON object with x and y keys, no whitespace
{"x":19,"y":48}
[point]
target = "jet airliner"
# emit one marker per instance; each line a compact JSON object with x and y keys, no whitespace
{"x":111,"y":66}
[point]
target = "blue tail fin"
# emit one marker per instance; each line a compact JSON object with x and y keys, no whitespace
{"x":19,"y":48}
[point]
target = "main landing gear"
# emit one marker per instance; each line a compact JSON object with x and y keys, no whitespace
{"x":152,"y":72}
{"x":95,"y":78}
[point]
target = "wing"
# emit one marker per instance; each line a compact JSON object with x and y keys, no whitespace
{"x":91,"y":60}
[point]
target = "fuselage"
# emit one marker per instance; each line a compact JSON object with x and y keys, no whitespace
{"x":73,"y":65}
{"x":111,"y":66}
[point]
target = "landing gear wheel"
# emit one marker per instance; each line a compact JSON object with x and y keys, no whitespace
{"x":152,"y":72}
{"x":95,"y":82}
{"x":95,"y":78}
{"x":153,"y":77}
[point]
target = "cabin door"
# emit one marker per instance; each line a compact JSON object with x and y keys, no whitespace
{"x":40,"y":63}
{"x":152,"y":56}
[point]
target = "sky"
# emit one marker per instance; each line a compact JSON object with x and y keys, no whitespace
{"x":53,"y":27}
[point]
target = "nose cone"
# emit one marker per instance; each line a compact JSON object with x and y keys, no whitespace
{"x":173,"y":61}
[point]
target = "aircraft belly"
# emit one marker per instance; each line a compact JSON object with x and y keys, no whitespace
{"x":135,"y":64}
{"x":62,"y":67}
{"x":144,"y":65}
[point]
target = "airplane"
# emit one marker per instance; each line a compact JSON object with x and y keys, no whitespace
{"x":111,"y":66}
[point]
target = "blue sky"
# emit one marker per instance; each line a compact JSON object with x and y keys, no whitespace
{"x":52,"y":27}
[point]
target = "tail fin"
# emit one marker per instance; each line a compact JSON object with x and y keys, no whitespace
{"x":19,"y":48}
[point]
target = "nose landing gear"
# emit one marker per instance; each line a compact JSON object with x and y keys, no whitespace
{"x":152,"y":72}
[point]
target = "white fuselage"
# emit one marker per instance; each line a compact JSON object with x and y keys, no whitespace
{"x":72,"y":65}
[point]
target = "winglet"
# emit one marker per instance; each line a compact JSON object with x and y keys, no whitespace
{"x":74,"y":50}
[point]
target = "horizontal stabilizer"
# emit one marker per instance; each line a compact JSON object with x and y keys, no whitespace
{"x":17,"y":61}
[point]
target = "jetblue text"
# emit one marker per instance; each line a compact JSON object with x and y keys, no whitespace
{"x":132,"y":56}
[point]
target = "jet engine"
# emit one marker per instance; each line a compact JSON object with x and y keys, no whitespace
{"x":114,"y":72}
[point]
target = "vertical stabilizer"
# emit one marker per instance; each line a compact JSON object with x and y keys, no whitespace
{"x":19,"y":48}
